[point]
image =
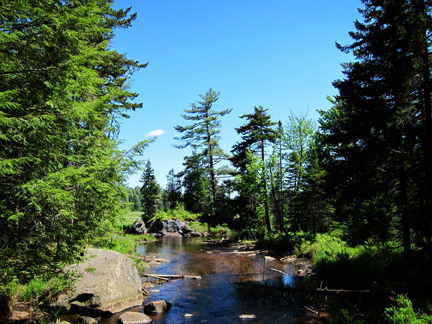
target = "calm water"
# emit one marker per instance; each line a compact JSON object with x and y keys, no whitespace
{"x":214,"y":298}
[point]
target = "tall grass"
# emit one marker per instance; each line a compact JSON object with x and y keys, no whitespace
{"x":359,"y":266}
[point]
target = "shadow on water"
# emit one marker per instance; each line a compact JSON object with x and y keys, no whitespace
{"x":214,"y":298}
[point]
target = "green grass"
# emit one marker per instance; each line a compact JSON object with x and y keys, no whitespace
{"x":361,"y":266}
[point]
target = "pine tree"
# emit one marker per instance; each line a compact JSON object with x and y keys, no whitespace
{"x":203,"y":133}
{"x":150,"y":192}
{"x":255,"y":135}
{"x":378,"y":129}
{"x":173,"y":190}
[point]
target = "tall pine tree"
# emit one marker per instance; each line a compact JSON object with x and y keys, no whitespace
{"x":203,"y":133}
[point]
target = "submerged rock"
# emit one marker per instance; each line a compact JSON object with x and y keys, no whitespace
{"x":134,"y":318}
{"x":157,"y":307}
{"x":110,"y":283}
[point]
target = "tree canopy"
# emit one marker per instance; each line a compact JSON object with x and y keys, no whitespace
{"x":63,"y":90}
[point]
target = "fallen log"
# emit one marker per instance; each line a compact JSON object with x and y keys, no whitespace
{"x":169,"y":277}
{"x":276,"y":270}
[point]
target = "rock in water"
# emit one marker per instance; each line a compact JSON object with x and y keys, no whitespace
{"x":110,"y":283}
{"x":157,"y":307}
{"x":134,"y":318}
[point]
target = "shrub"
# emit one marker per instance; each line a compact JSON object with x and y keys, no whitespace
{"x":359,"y":266}
{"x":177,"y":213}
{"x":220,"y":230}
{"x":403,"y":313}
{"x":201,"y":227}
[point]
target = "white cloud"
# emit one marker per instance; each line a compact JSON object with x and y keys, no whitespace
{"x":156,"y":132}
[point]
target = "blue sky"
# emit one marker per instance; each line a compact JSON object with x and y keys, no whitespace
{"x":279,"y":54}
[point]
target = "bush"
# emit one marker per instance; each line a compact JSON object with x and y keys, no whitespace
{"x":359,"y":266}
{"x":278,"y":242}
{"x":177,"y":213}
{"x":201,"y":227}
{"x":403,"y":313}
{"x":220,"y":230}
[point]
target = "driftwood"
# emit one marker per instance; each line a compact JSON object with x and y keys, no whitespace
{"x":169,"y":277}
{"x":276,"y":270}
{"x":316,"y":291}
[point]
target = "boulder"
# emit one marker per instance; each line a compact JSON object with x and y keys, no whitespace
{"x":134,"y":318}
{"x":167,"y":226}
{"x":138,"y":227}
{"x":110,"y":283}
{"x":157,"y":307}
{"x":171,"y":227}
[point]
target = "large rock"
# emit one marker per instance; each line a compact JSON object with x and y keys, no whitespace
{"x":172,"y":226}
{"x":138,"y":227}
{"x":110,"y":283}
{"x":167,"y":226}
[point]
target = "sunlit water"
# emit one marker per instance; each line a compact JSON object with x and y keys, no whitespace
{"x":214,"y":298}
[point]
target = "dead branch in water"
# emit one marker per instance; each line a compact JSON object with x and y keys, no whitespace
{"x":169,"y":277}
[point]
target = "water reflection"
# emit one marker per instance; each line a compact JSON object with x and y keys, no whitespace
{"x":215,"y":298}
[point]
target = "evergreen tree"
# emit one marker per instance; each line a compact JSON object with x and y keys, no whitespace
{"x":173,"y":190}
{"x":378,"y":129}
{"x":203,"y":133}
{"x":150,"y":192}
{"x":62,"y":90}
{"x":255,"y":135}
{"x":197,"y":187}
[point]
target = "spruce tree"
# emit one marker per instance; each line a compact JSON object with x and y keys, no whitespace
{"x":62,"y":91}
{"x":150,"y":192}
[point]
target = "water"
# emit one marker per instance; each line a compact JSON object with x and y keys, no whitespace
{"x":214,"y":298}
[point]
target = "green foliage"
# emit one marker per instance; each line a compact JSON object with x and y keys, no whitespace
{"x":249,"y":185}
{"x":150,"y":192}
{"x":360,"y":266}
{"x":125,"y":244}
{"x":179,"y":212}
{"x":276,"y":242}
{"x":342,"y":316}
{"x":203,"y":135}
{"x":220,"y":230}
{"x":404,"y":313}
{"x":173,"y":194}
{"x":35,"y":288}
{"x":61,"y":171}
{"x":201,"y":227}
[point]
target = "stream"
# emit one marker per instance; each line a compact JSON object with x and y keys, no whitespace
{"x":214,"y":298}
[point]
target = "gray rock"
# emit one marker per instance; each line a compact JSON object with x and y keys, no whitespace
{"x":138,"y":227}
{"x":173,"y":226}
{"x":110,"y":283}
{"x":134,"y":318}
{"x":157,"y":307}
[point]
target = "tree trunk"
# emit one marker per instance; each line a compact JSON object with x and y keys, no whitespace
{"x":266,"y":207}
{"x":428,"y":130}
